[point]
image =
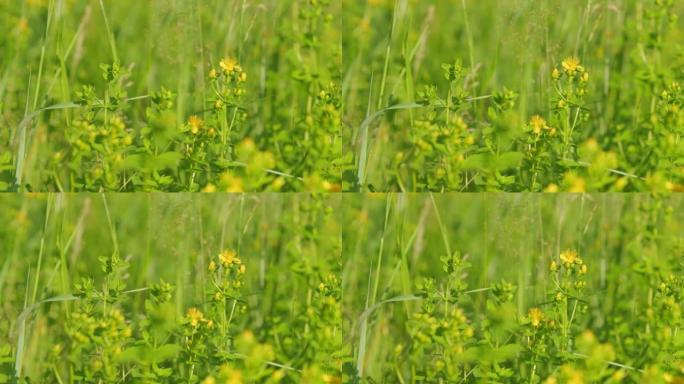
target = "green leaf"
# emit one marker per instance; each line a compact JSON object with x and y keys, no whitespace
{"x":508,"y":160}
{"x":149,"y":355}
{"x":165,"y":352}
{"x":503,"y":353}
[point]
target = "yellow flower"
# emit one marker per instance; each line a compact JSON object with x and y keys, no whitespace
{"x":537,"y":123}
{"x":568,"y":258}
{"x":551,"y":188}
{"x":572,"y":375}
{"x":228,"y":65}
{"x":571,"y":65}
{"x":235,"y":377}
{"x":330,"y":379}
{"x":195,"y":123}
{"x":278,"y":375}
{"x":230,"y":183}
{"x":536,"y":316}
{"x":574,"y":183}
{"x":554,"y":266}
{"x":212,"y":266}
{"x":209,"y":380}
{"x":228,"y":257}
{"x":195,"y":316}
{"x":213,"y":74}
{"x":209,"y":188}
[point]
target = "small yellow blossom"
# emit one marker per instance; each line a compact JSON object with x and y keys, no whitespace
{"x":536,"y":316}
{"x":574,"y":183}
{"x":228,"y":257}
{"x":195,"y":316}
{"x":212,"y":266}
{"x":278,"y":375}
{"x":230,"y":183}
{"x":551,"y":188}
{"x":568,"y":258}
{"x":571,"y":65}
{"x":195,"y":123}
{"x":228,"y":65}
{"x":235,"y":378}
{"x":330,"y":379}
{"x":554,"y":266}
{"x":537,"y":123}
{"x":209,"y":188}
{"x":572,"y":375}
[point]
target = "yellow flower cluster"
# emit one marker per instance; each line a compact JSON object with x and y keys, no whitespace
{"x":196,"y":126}
{"x":196,"y":318}
{"x":571,"y":65}
{"x":230,"y":68}
{"x":536,"y":317}
{"x":228,"y":259}
{"x":573,"y":69}
{"x":568,"y":258}
{"x":538,"y":125}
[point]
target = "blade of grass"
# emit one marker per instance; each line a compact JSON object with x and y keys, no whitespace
{"x":110,"y":35}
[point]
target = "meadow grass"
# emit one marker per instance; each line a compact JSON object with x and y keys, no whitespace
{"x":512,"y":288}
{"x":403,"y":103}
{"x":512,"y":95}
{"x":411,"y":287}
{"x":182,"y":95}
{"x":170,"y":288}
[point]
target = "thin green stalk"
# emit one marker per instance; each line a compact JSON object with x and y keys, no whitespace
{"x":469,"y":36}
{"x":110,"y":35}
{"x":388,"y":51}
{"x":36,"y":279}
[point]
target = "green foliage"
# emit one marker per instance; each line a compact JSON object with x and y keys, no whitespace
{"x":501,"y":95}
{"x":257,"y":301}
{"x":546,"y":289}
{"x":197,"y":96}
